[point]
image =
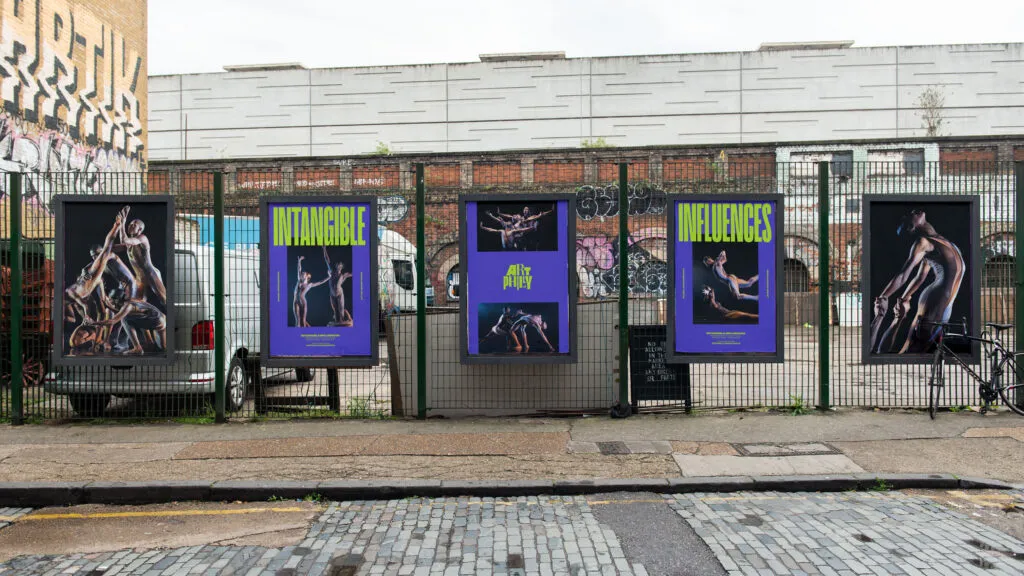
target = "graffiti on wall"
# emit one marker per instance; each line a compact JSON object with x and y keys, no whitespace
{"x":391,"y":209}
{"x":70,"y":87}
{"x":597,"y":261}
{"x":603,"y":201}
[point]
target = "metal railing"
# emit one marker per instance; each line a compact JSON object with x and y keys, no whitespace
{"x":621,"y":209}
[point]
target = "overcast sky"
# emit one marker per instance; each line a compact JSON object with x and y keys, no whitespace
{"x":204,"y":35}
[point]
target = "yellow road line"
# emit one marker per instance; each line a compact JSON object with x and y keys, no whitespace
{"x":154,"y":514}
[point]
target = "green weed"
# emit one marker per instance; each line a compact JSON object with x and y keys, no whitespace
{"x":880,"y":485}
{"x":797,"y":406}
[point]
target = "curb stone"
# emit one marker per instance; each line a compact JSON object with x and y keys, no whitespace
{"x":44,"y":494}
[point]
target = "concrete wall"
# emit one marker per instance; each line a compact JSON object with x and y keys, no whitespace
{"x":74,"y":88}
{"x":725,"y":98}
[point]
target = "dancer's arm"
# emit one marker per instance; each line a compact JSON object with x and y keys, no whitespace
{"x":320,"y":283}
{"x":100,"y":262}
{"x":902,"y":307}
{"x":299,"y":273}
{"x":496,"y":219}
{"x":917,"y":254}
{"x":121,"y":315}
{"x":489,"y":229}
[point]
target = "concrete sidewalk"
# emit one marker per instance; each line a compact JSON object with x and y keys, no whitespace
{"x":652,"y":447}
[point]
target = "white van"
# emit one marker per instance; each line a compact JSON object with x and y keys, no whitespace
{"x":90,"y":389}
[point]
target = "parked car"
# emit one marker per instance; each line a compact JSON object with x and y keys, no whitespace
{"x":90,"y":389}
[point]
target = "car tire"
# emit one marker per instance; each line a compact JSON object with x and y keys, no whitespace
{"x":236,"y":385}
{"x":89,"y":405}
{"x":303,"y":375}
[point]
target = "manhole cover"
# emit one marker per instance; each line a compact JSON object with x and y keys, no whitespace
{"x":608,"y":448}
{"x":785,"y":449}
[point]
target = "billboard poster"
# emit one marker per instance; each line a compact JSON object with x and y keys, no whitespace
{"x":114,"y":301}
{"x":517,"y":279}
{"x":921,"y":267}
{"x":726,"y":258}
{"x":318,"y":269}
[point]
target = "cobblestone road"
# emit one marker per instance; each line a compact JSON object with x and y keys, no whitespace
{"x":750,"y":534}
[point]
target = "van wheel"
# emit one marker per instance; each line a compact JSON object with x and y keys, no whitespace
{"x":303,"y":375}
{"x":236,"y":386}
{"x":89,"y":405}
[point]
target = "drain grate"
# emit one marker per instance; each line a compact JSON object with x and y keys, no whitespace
{"x":610,"y":448}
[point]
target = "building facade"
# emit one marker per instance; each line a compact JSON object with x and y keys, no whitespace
{"x":74,"y":89}
{"x":513,"y":103}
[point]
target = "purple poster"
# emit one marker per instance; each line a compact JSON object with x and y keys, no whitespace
{"x":319,"y":281}
{"x":518,"y":279}
{"x":725,"y":255}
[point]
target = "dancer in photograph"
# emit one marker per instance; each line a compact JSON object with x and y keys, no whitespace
{"x":91,"y":277}
{"x":524,"y":321}
{"x":117,"y":272}
{"x":136,"y":244}
{"x":733,"y":282}
{"x":302,"y":287}
{"x":931,"y":255}
{"x":709,"y":297}
{"x":134,"y":317}
{"x":503,"y":327}
{"x":514,"y":227}
{"x":337,"y":275}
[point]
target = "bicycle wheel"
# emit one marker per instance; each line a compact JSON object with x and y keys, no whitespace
{"x":935,"y":383}
{"x":1013,"y":396}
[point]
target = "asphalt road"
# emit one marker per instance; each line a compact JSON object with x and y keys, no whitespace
{"x":948,"y":532}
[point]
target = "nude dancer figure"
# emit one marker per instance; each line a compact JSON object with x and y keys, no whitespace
{"x":930,"y":253}
{"x":136,"y":317}
{"x":304,"y":285}
{"x":709,"y":297}
{"x":508,"y":235}
{"x":337,"y":275}
{"x":524,"y":321}
{"x":150,"y":280}
{"x":503,"y":327}
{"x":733,"y":282}
{"x":91,"y":277}
{"x":118,"y":272}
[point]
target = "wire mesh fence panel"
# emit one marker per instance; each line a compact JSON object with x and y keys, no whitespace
{"x":583,"y":386}
{"x":722,"y":385}
{"x":951,"y":281}
{"x":98,"y":304}
{"x":361,"y":392}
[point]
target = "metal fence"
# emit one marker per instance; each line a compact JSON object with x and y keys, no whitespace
{"x":621,"y":209}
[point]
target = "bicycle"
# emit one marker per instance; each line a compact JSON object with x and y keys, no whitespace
{"x":1001,"y":360}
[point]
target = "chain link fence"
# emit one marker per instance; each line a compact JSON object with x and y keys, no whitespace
{"x":399,"y":386}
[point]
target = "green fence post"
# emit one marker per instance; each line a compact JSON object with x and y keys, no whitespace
{"x":824,"y":304}
{"x":1018,"y":291}
{"x":421,"y":296}
{"x":218,"y":296}
{"x":624,"y":288}
{"x":17,"y":390}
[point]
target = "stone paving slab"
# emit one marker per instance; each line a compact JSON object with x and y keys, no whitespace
{"x":122,"y":453}
{"x":696,"y":465}
{"x":1017,"y":433}
{"x":514,"y":443}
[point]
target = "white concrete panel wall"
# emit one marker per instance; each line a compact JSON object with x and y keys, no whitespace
{"x":748,"y":97}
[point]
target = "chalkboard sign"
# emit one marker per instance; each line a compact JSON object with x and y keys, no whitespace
{"x":650,"y":377}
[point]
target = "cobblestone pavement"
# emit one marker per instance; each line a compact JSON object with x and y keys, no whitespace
{"x":751,"y":534}
{"x":7,"y":515}
{"x":846,"y":534}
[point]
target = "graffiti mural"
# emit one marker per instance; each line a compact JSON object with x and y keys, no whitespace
{"x":597,"y":264}
{"x":73,"y":92}
{"x":603,"y":201}
{"x":391,"y":209}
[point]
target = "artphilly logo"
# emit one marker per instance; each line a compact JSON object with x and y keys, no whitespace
{"x":518,"y":277}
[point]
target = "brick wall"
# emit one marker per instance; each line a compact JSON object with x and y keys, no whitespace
{"x":107,"y":59}
{"x":557,"y":172}
{"x":490,"y":173}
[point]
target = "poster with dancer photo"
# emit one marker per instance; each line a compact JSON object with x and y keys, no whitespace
{"x":517,"y":280}
{"x":318,"y":271}
{"x":114,"y":301}
{"x":921,"y":265}
{"x":725,"y":255}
